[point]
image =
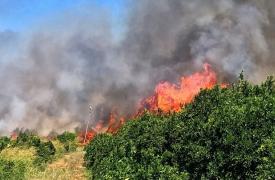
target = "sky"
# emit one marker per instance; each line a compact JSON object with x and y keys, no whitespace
{"x":19,"y":15}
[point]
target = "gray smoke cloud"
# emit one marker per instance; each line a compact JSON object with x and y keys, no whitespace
{"x":51,"y":75}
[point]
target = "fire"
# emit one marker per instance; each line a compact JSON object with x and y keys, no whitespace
{"x":167,"y":97}
{"x":172,"y":97}
{"x":114,"y":123}
{"x":14,"y":136}
{"x":85,"y":138}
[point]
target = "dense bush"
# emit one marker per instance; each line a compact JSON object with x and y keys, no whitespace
{"x":27,"y":138}
{"x":132,"y":153}
{"x":266,"y":170}
{"x":66,"y":137}
{"x":226,"y":133}
{"x":4,"y":142}
{"x":45,"y":152}
{"x":68,"y":140}
{"x":14,"y":170}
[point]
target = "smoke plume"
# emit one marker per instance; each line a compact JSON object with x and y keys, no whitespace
{"x":51,"y":75}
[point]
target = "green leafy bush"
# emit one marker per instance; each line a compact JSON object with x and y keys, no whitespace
{"x":133,"y":154}
{"x":45,"y":152}
{"x":66,"y":137}
{"x":14,"y":170}
{"x":266,"y":170}
{"x":102,"y":146}
{"x":27,"y":138}
{"x":225,"y":133}
{"x":68,"y":140}
{"x":4,"y":142}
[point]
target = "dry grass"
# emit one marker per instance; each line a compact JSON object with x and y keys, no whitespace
{"x":70,"y":166}
{"x":64,"y":167}
{"x":25,"y":154}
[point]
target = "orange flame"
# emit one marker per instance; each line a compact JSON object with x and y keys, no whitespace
{"x":172,"y":97}
{"x":167,"y":97}
{"x":113,"y":125}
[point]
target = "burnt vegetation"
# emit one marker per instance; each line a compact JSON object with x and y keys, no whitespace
{"x":225,"y":133}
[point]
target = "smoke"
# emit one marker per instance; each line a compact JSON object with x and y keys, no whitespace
{"x":178,"y":36}
{"x":51,"y":75}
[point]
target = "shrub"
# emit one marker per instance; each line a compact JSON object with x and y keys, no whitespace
{"x":68,"y":140}
{"x":66,"y":137}
{"x":45,"y":152}
{"x":12,"y":169}
{"x":99,"y":148}
{"x":135,"y":152}
{"x":266,"y":170}
{"x":27,"y":138}
{"x":225,"y":133}
{"x":70,"y":146}
{"x":4,"y":142}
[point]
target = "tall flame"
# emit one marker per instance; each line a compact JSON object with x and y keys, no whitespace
{"x":172,"y":97}
{"x":167,"y":97}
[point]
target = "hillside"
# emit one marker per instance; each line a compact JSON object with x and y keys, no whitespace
{"x":224,"y":133}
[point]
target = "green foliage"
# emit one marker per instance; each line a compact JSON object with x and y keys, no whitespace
{"x":226,"y":133}
{"x":14,"y":170}
{"x":138,"y":154}
{"x":4,"y":142}
{"x":27,"y":138}
{"x":45,"y":152}
{"x":66,"y":137}
{"x":68,"y":140}
{"x":70,"y":146}
{"x":266,"y":170}
{"x":102,"y":146}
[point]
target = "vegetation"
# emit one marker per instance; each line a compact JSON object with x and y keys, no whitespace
{"x":16,"y":163}
{"x":70,"y":166}
{"x":4,"y":142}
{"x":45,"y":152}
{"x":24,"y":156}
{"x":12,"y":169}
{"x":225,"y":133}
{"x":23,"y":160}
{"x":29,"y":162}
{"x":27,"y":138}
{"x":68,"y":140}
